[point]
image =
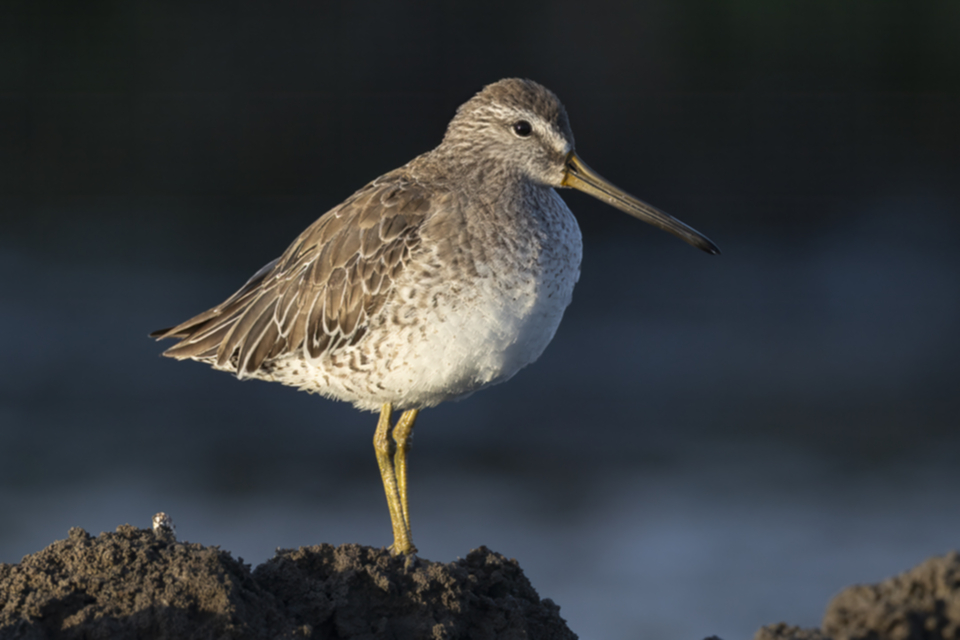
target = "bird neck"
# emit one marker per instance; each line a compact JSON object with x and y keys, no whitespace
{"x":483,"y":175}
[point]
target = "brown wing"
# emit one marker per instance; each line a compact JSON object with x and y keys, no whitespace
{"x":320,"y":294}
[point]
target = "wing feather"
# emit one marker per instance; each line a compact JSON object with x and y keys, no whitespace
{"x":241,"y":330}
{"x":248,"y":290}
{"x":259,"y":340}
{"x":321,"y":293}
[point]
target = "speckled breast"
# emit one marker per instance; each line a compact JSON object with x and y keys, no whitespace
{"x":467,"y":312}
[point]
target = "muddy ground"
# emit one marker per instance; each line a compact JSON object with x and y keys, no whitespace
{"x":920,"y":604}
{"x":135,"y":583}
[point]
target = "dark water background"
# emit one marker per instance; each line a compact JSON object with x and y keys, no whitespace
{"x":708,"y":445}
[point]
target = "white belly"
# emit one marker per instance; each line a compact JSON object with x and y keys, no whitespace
{"x":485,"y":340}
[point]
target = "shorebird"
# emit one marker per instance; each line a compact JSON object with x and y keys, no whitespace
{"x":436,"y":280}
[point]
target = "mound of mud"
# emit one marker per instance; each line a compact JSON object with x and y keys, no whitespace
{"x":139,"y":584}
{"x":920,"y":604}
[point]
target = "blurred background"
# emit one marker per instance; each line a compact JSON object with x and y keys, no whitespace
{"x":709,"y":444}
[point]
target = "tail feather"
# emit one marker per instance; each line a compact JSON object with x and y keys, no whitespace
{"x":201,"y":336}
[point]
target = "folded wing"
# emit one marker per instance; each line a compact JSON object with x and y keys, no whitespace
{"x":320,"y":295}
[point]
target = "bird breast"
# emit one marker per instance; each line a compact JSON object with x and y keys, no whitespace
{"x":472,"y":308}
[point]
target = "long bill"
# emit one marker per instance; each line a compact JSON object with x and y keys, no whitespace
{"x":581,"y":177}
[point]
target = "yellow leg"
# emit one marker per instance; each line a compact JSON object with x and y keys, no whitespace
{"x":402,"y":544}
{"x":401,"y":436}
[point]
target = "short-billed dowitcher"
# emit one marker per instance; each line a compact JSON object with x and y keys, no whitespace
{"x":440,"y":278}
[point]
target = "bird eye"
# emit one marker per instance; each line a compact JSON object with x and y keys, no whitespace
{"x":522,"y":128}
